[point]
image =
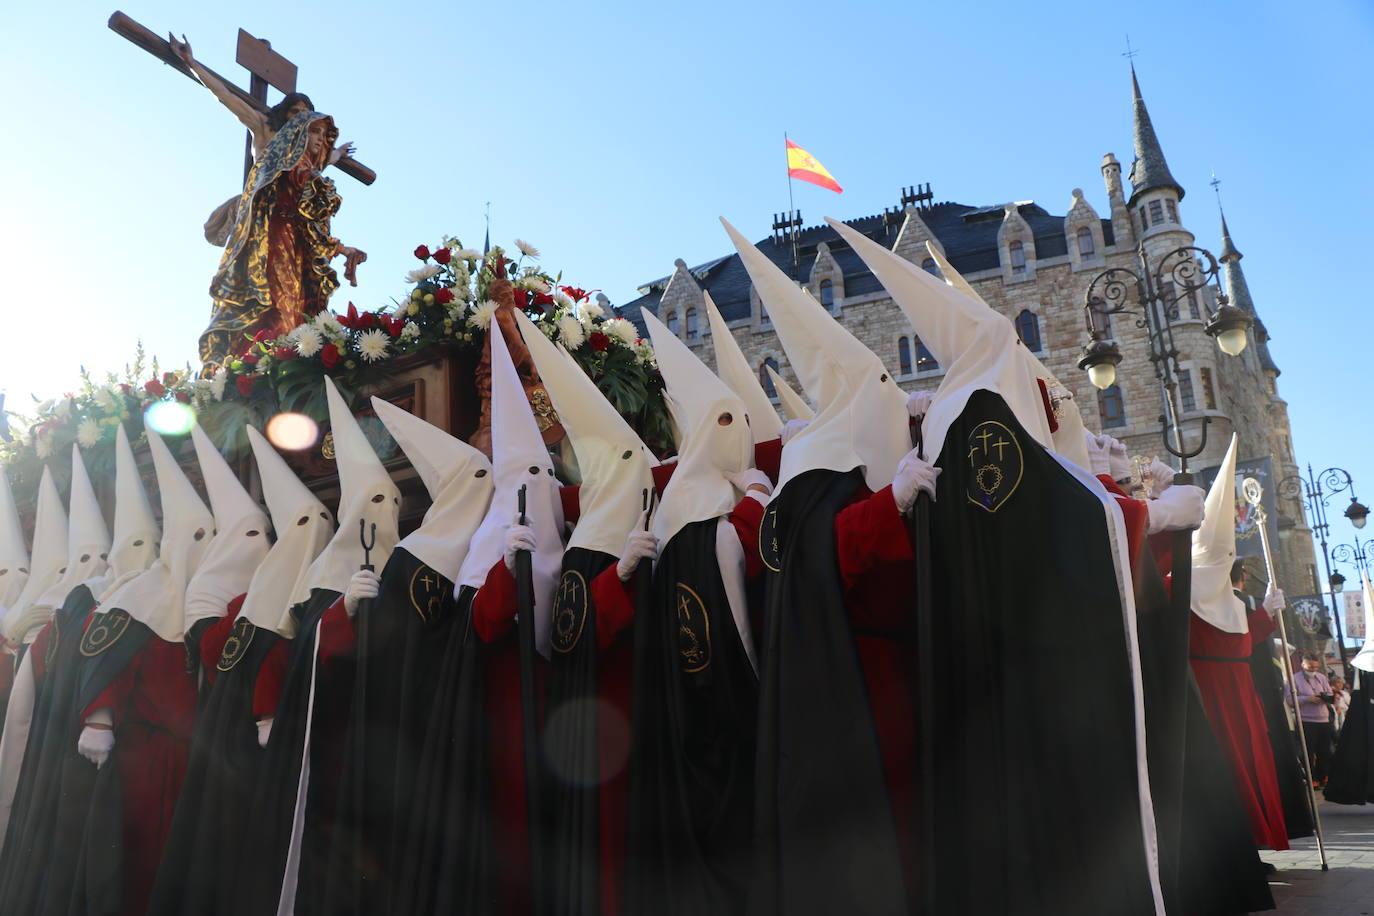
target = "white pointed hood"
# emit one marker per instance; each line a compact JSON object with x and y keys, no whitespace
{"x":793,"y":404}
{"x":157,"y":598}
{"x":519,"y":458}
{"x":1364,"y":659}
{"x":46,"y":563}
{"x":88,"y":540}
{"x":977,"y":346}
{"x":707,"y":450}
{"x":614,"y":462}
{"x":14,"y":551}
{"x":1214,"y":553}
{"x":303,"y":526}
{"x":458,"y":478}
{"x":366,"y":495}
{"x":1068,"y":439}
{"x":240,"y":544}
{"x":134,"y":545}
{"x":733,"y":368}
{"x":861,"y":420}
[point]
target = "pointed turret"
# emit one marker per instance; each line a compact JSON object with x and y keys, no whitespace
{"x":1149,"y":171}
{"x":1238,"y":291}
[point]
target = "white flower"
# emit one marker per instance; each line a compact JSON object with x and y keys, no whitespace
{"x":409,"y":331}
{"x":105,"y":400}
{"x":373,"y":344}
{"x":622,"y":330}
{"x":467,"y":254}
{"x":480,"y":316}
{"x":217,"y":383}
{"x":88,"y":433}
{"x":645,"y":354}
{"x":591,"y":309}
{"x":562,"y":301}
{"x":328,"y":323}
{"x":570,"y":329}
{"x":42,"y":444}
{"x":535,"y":284}
{"x":526,"y":248}
{"x":309,"y":340}
{"x":63,"y":408}
{"x":420,"y":274}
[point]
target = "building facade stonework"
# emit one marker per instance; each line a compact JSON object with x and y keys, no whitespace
{"x":1035,"y":268}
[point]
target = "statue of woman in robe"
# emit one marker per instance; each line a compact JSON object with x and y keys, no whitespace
{"x":262,"y":127}
{"x":275,"y":270}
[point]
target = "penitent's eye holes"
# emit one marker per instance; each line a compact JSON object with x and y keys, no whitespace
{"x":85,"y":557}
{"x":379,"y":498}
{"x":883,"y":378}
{"x":534,"y":469}
{"x":199,"y":535}
{"x":302,"y":520}
{"x":253,"y":533}
{"x":725,"y":419}
{"x":481,"y":472}
{"x":138,"y":543}
{"x":626,"y":456}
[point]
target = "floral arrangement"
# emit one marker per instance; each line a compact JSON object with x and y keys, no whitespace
{"x":446,"y":305}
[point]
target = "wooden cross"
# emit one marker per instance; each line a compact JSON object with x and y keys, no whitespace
{"x":267,"y":68}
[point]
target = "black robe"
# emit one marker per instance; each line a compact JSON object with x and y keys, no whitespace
{"x":826,"y":840}
{"x":1264,"y":668}
{"x":692,"y":752}
{"x":571,"y":748}
{"x":1351,"y":780}
{"x":1031,"y":799}
{"x":202,"y":870}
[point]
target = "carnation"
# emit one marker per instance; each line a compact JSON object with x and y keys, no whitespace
{"x":420,"y":274}
{"x":218,"y":382}
{"x":309,"y":340}
{"x":570,"y":329}
{"x":480,"y":316}
{"x":373,"y":345}
{"x":623,"y":331}
{"x":535,"y":283}
{"x":88,"y":433}
{"x":592,"y":310}
{"x":526,"y":248}
{"x":328,"y":323}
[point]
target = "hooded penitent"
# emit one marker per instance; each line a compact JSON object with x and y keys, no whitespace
{"x":136,"y":531}
{"x":1214,"y":553}
{"x":14,"y":551}
{"x":240,"y":543}
{"x":88,"y":540}
{"x":519,"y":459}
{"x":1351,"y":780}
{"x":733,"y":368}
{"x":861,"y":421}
{"x":157,"y":598}
{"x":47,"y":561}
{"x":793,"y":404}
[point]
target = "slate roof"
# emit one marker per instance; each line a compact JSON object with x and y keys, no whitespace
{"x":1149,"y":170}
{"x":969,"y":235}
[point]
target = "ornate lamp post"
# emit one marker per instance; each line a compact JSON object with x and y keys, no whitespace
{"x":1316,"y":490}
{"x":1152,"y":296}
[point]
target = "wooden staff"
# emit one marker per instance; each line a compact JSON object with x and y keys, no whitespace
{"x":529,"y":715}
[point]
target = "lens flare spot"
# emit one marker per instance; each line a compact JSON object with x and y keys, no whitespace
{"x":170,"y":418}
{"x":292,"y":432}
{"x":576,"y":760}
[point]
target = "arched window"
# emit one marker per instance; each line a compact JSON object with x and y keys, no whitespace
{"x":1018,"y":257}
{"x":925,"y":361}
{"x":1028,"y":329}
{"x":827,"y":293}
{"x":1156,"y":212}
{"x":930,"y":267}
{"x":766,"y":380}
{"x":904,"y":355}
{"x":1172,"y":209}
{"x":1112,"y":407}
{"x":671,"y":322}
{"x":1086,"y":246}
{"x":692,"y":329}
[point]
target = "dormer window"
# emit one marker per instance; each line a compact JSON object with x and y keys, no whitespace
{"x":1028,"y":329}
{"x":1018,"y":257}
{"x":692,"y":329}
{"x":671,"y":322}
{"x":904,"y":355}
{"x":1086,"y":246}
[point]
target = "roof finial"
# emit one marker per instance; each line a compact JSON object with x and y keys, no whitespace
{"x":1130,"y":52}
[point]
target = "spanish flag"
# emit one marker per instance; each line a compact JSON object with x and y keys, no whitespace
{"x":803,"y":165}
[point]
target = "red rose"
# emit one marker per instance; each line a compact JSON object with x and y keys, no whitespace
{"x":598,"y":341}
{"x":126,"y":389}
{"x":250,"y":358}
{"x":154,"y":388}
{"x":443,"y":296}
{"x":422,"y":252}
{"x":183,"y":397}
{"x":393,"y":325}
{"x":329,"y":355}
{"x":284,"y":353}
{"x":543,"y":299}
{"x":442,"y":255}
{"x":168,"y":378}
{"x":245,"y":384}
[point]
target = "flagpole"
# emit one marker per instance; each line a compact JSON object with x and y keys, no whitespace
{"x":791,"y":207}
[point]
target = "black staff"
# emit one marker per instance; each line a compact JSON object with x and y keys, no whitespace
{"x":529,"y":715}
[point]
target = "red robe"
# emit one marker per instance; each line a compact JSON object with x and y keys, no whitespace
{"x":153,"y":704}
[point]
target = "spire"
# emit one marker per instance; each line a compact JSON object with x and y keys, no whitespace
{"x":1238,"y":291}
{"x":1149,"y":171}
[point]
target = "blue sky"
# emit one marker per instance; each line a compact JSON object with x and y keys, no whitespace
{"x":613,"y":135}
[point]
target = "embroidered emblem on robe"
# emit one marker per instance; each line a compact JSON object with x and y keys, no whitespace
{"x":995,"y":459}
{"x":105,"y":631}
{"x":240,"y":638}
{"x":427,"y":592}
{"x":693,"y":631}
{"x":569,"y":611}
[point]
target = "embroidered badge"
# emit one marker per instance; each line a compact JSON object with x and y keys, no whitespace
{"x":995,"y":465}
{"x":236,"y":646}
{"x":769,"y":547}
{"x":693,"y":631}
{"x":569,"y":611}
{"x":104,"y":631}
{"x":427,"y":592}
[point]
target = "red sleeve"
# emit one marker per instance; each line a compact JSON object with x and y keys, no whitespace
{"x":337,"y":634}
{"x":572,"y":506}
{"x":768,"y":458}
{"x":747,"y":517}
{"x":1137,"y":516}
{"x":493,"y":607}
{"x":615,"y":606}
{"x":1262,"y":626}
{"x":870,"y":532}
{"x":271,"y":678}
{"x":116,"y":696}
{"x":217,"y":634}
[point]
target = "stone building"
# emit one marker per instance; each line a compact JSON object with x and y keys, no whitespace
{"x":1035,"y":268}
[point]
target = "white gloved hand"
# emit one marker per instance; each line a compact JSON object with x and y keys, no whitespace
{"x":1118,"y":464}
{"x":1161,"y":477}
{"x":914,"y":474}
{"x":918,"y":403}
{"x":95,"y":744}
{"x":518,"y":538}
{"x":790,"y":429}
{"x":1178,"y":509}
{"x":751,"y":477}
{"x":364,"y":584}
{"x":1274,"y":599}
{"x":264,"y":731}
{"x":1097,"y":455}
{"x":639,"y":545}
